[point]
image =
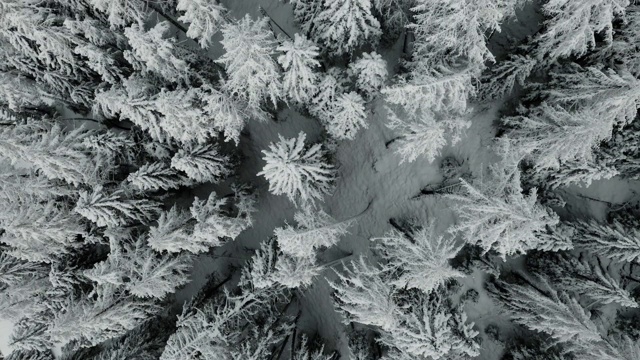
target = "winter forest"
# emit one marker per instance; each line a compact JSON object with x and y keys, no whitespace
{"x":319,"y":179}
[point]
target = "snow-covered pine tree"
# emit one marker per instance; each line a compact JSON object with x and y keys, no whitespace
{"x":495,"y":214}
{"x":155,"y":176}
{"x":329,"y":89}
{"x":420,"y":258}
{"x":54,"y":151}
{"x":112,"y":145}
{"x":626,"y":40}
{"x":582,"y":277}
{"x":40,"y":232}
{"x":113,"y":209}
{"x":121,"y":13}
{"x":341,"y":26}
{"x":253,"y":74}
{"x":582,"y":173}
{"x":22,"y":288}
{"x":217,"y":222}
{"x":37,"y":44}
{"x":363,"y":295}
{"x":202,"y":163}
{"x":30,"y":355}
{"x":205,"y":18}
{"x":573,"y":25}
{"x":94,"y":319}
{"x":426,"y":134}
{"x":182,"y":118}
{"x":430,"y":327}
{"x":156,"y":52}
{"x":370,"y":71}
{"x":347,"y":117}
{"x":136,"y":268}
{"x":298,"y":171}
{"x":620,"y":152}
{"x":601,"y":287}
{"x":544,"y":309}
{"x":315,"y":229}
{"x":501,"y":79}
{"x":103,"y":51}
{"x":171,"y":232}
{"x":299,"y":63}
{"x":434,"y":89}
{"x":229,"y":113}
{"x":613,"y":96}
{"x":270,"y":267}
{"x":446,"y":29}
{"x":144,"y":342}
{"x":218,"y":329}
{"x":209,"y":224}
{"x":21,"y":93}
{"x":132,"y":100}
{"x":613,"y":241}
{"x":552,"y":134}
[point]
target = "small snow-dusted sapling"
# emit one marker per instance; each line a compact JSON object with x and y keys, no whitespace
{"x":348,"y":116}
{"x":298,"y":171}
{"x":253,"y":74}
{"x":299,"y":63}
